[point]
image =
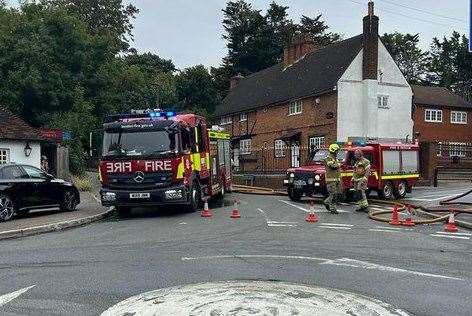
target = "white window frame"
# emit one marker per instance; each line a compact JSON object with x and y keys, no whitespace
{"x":245,"y":146}
{"x":457,"y":150}
{"x":316,"y":141}
{"x":433,"y":118}
{"x":383,"y":101}
{"x":243,"y":117}
{"x":225,"y":120}
{"x":4,"y":156}
{"x":439,"y":149}
{"x":279,"y":148}
{"x":458,"y":117}
{"x":295,"y":107}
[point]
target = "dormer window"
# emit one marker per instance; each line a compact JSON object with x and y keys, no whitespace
{"x":295,"y":107}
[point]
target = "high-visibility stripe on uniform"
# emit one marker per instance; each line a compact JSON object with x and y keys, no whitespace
{"x":180,"y":169}
{"x":196,"y":162}
{"x":351,"y":174}
{"x":400,"y":176}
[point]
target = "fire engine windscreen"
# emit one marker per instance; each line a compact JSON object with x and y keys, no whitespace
{"x":153,"y":143}
{"x":320,"y":155}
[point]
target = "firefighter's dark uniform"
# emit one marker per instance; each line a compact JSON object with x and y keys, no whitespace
{"x":333,"y":182}
{"x":359,"y":180}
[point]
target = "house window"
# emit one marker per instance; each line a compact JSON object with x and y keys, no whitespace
{"x":225,"y":120}
{"x":295,"y":107}
{"x":434,"y":116}
{"x":316,"y":142}
{"x":245,"y":146}
{"x":458,"y":117}
{"x":279,"y":148}
{"x":457,"y":149}
{"x":4,"y":155}
{"x":382,"y":102}
{"x":439,"y":150}
{"x":243,"y":117}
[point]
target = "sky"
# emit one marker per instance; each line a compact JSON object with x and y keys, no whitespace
{"x":189,"y":32}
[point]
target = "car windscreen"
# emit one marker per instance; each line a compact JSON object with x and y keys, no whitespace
{"x":139,"y":143}
{"x":320,"y":155}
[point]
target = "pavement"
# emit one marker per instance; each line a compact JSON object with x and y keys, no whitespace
{"x":41,"y":221}
{"x":90,"y":269}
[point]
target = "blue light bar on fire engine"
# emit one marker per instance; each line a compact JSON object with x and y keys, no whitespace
{"x":157,"y":114}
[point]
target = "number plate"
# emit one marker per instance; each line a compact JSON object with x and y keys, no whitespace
{"x":139,"y":195}
{"x":299,"y":183}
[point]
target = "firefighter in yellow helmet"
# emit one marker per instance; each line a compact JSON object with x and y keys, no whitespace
{"x":333,"y":178}
{"x":360,"y":179}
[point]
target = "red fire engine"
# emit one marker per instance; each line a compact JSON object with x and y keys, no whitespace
{"x":154,"y":158}
{"x":394,"y":170}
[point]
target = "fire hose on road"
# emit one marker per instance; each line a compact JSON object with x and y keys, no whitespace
{"x":375,"y":215}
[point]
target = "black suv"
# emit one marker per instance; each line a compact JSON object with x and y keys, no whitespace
{"x":23,"y":188}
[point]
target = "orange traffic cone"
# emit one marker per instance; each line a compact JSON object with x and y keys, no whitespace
{"x":311,"y":217}
{"x":451,"y":224}
{"x":408,"y":221}
{"x":206,"y":210}
{"x":235,"y":213}
{"x":395,"y":220}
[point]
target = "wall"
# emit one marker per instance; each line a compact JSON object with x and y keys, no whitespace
{"x":445,"y":131}
{"x":358,"y":112}
{"x":273,"y":122}
{"x":17,"y":153}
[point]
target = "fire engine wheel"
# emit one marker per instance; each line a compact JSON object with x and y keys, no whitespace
{"x":195,"y":197}
{"x":401,"y":190}
{"x":294,"y":195}
{"x":387,"y":192}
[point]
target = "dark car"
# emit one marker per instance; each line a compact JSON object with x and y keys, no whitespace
{"x":23,"y":188}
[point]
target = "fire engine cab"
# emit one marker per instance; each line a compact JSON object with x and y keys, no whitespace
{"x":394,"y":170}
{"x":156,"y":158}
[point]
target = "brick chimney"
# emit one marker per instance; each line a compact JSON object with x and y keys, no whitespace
{"x":234,"y":81}
{"x":299,"y":46}
{"x":370,"y":44}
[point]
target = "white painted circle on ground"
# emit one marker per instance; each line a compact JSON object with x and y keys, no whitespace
{"x":238,"y":298}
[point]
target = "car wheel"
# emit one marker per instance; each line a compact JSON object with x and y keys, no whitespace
{"x":387,"y":192}
{"x":69,"y":201}
{"x":7,"y":208}
{"x":195,"y":197}
{"x":401,"y":189}
{"x":294,"y":195}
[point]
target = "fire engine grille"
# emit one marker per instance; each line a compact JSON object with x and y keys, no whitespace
{"x":149,"y":182}
{"x":303,"y":176}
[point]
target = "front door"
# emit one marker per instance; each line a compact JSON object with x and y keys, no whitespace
{"x":295,"y":154}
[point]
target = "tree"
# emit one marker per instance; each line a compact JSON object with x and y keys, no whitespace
{"x":411,"y":60}
{"x":109,"y":18}
{"x":256,"y":41}
{"x":196,"y":90}
{"x":451,"y":64}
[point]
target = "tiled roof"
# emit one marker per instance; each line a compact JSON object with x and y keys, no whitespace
{"x":439,"y":96}
{"x":14,"y":128}
{"x":315,"y":74}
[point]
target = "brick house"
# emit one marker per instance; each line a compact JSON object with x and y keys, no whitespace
{"x":315,"y":96}
{"x":442,"y":125}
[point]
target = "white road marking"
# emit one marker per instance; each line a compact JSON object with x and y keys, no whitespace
{"x":254,"y":256}
{"x":11,"y":296}
{"x":274,"y":222}
{"x":335,"y":224}
{"x":336,"y":227}
{"x":281,"y":225}
{"x":449,"y":236}
{"x":345,"y":262}
{"x":307,"y":210}
{"x":388,"y":227}
{"x":448,"y":233}
{"x":183,"y":223}
{"x":384,"y":230}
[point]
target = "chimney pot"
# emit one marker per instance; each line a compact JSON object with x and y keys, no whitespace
{"x":234,"y":81}
{"x":300,"y":45}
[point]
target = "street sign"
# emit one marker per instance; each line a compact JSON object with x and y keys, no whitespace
{"x":66,"y":135}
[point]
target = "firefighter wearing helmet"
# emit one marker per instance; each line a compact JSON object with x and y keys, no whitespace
{"x":359,"y":180}
{"x":333,"y":178}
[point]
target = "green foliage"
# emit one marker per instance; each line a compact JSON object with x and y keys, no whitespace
{"x":256,"y":41}
{"x":82,"y":183}
{"x":451,"y":64}
{"x":411,"y":60}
